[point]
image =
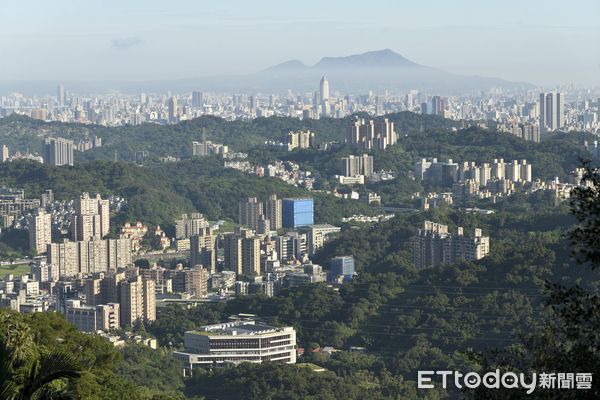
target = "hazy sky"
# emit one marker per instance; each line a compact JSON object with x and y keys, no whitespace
{"x":540,"y":41}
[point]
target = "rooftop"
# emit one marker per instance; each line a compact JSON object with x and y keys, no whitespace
{"x":245,"y":327}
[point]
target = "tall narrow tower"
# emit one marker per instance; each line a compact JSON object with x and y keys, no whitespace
{"x":324,"y":89}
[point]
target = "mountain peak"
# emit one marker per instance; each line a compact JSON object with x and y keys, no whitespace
{"x":385,"y":58}
{"x":290,"y":65}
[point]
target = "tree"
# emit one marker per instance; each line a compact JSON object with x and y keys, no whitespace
{"x":26,"y":372}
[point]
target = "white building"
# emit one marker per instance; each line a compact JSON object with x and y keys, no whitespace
{"x":231,"y":343}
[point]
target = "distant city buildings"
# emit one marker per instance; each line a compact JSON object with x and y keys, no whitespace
{"x":506,"y":107}
{"x":527,"y":131}
{"x":208,"y":148}
{"x":434,"y":246}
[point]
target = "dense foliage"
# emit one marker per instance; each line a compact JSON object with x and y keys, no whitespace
{"x":158,"y":193}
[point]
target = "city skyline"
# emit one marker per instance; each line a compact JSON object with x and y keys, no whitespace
{"x":148,"y":41}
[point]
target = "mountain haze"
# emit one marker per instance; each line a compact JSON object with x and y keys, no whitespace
{"x":374,"y":70}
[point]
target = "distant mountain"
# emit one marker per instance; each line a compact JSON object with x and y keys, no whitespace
{"x":373,"y":59}
{"x":374,"y":70}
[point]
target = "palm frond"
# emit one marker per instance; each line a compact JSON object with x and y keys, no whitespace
{"x":47,"y":369}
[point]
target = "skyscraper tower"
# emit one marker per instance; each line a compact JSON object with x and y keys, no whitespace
{"x":324,"y":89}
{"x":197,"y":99}
{"x":40,"y":231}
{"x":172,"y":105}
{"x":60,"y":95}
{"x":552,"y":112}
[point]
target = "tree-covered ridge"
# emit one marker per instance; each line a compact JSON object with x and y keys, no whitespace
{"x":21,"y":133}
{"x":158,"y":193}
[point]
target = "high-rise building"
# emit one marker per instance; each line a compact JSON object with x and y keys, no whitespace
{"x":297,"y":212}
{"x":40,"y":231}
{"x":273,"y":212}
{"x":88,"y":318}
{"x":434,"y":246}
{"x":60,"y":95}
{"x":552,"y":113}
{"x":513,"y":171}
{"x":232,"y":253}
{"x":197,"y":99}
{"x":264,"y":226}
{"x":138,"y":301}
{"x":249,"y":212}
{"x":357,"y":165}
{"x":5,"y":153}
{"x":251,"y":256}
{"x":291,"y":246}
{"x":191,"y":280}
{"x":368,"y":135}
{"x":190,"y":225}
{"x":300,"y":140}
{"x":172,"y":107}
{"x":58,"y":151}
{"x":91,"y":219}
{"x":203,"y":249}
{"x":324,"y":89}
{"x":241,"y":252}
{"x":90,"y":256}
{"x":438,"y":105}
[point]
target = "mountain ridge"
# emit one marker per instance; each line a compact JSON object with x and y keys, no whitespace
{"x":378,"y":70}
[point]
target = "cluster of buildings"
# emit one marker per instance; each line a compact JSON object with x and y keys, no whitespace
{"x":526,"y":131}
{"x":434,"y":245}
{"x":287,"y":171}
{"x":276,"y":213}
{"x":14,"y":204}
{"x":300,"y":140}
{"x":206,"y":147}
{"x":468,"y":179}
{"x":566,"y":108}
{"x":370,"y":135}
{"x":355,"y":169}
{"x":55,"y":151}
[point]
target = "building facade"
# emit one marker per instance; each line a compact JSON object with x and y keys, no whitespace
{"x":232,"y":343}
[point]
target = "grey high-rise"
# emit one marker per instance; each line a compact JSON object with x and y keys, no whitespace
{"x":552,"y":112}
{"x":58,"y":151}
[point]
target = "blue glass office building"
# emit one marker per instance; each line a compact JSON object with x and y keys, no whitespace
{"x":298,"y":212}
{"x":342,"y":266}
